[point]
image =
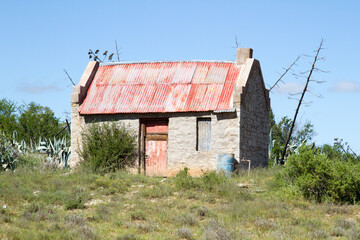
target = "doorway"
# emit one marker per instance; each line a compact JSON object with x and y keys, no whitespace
{"x":154,"y":134}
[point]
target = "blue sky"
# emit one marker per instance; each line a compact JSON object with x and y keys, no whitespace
{"x":41,"y":38}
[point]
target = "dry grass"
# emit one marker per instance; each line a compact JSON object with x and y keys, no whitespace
{"x":80,"y":205}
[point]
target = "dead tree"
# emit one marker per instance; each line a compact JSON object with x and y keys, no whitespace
{"x":284,"y":73}
{"x":67,"y":74}
{"x":308,"y":80}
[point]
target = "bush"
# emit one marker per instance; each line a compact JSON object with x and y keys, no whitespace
{"x":208,"y":181}
{"x":212,"y":179}
{"x":184,"y":181}
{"x":108,"y":147}
{"x":318,"y":177}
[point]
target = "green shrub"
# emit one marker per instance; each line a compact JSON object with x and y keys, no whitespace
{"x":108,"y":147}
{"x":212,"y":179}
{"x":184,"y":181}
{"x":318,"y":177}
{"x":76,"y":200}
{"x":138,"y":215}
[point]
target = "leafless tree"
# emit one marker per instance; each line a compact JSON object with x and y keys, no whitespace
{"x":308,"y":80}
{"x":117,"y":51}
{"x":285,"y":72}
{"x":67,"y":74}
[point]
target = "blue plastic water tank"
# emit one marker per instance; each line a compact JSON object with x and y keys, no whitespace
{"x":225,"y":163}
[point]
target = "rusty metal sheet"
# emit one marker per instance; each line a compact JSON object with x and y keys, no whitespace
{"x":152,"y":73}
{"x":105,"y":75}
{"x":217,"y":73}
{"x":184,"y":73}
{"x":93,"y":99}
{"x":120,"y":74}
{"x":134,"y":76}
{"x":228,"y":89}
{"x":211,"y":97}
{"x":195,"y":98}
{"x":123,"y":103}
{"x":201,"y":72}
{"x":167,"y":72}
{"x":177,"y":97}
{"x":161,"y":87}
{"x":110,"y":95}
{"x":145,"y":97}
{"x":160,"y":97}
{"x":99,"y":79}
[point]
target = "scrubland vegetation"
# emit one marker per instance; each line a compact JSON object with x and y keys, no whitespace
{"x":38,"y":203}
{"x":315,"y":195}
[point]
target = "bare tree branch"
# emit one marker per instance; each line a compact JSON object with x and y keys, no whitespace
{"x":288,"y":69}
{"x":69,"y":77}
{"x":117,"y":51}
{"x":68,"y":125}
{"x":301,"y":98}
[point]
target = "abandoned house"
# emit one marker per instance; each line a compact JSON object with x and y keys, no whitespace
{"x":184,"y":113}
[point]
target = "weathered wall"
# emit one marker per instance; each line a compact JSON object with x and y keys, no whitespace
{"x":254,"y":120}
{"x":182,"y":137}
{"x":182,"y":142}
{"x":77,"y":123}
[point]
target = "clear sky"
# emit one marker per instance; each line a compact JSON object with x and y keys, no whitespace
{"x":38,"y":39}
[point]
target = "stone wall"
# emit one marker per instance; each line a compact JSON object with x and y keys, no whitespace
{"x":77,"y":124}
{"x":254,"y":112}
{"x":77,"y":121}
{"x":182,"y":142}
{"x":181,"y":150}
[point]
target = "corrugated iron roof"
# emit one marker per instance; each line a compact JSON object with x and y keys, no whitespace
{"x":155,"y":87}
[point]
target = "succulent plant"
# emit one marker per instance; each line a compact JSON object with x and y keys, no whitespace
{"x":58,"y":151}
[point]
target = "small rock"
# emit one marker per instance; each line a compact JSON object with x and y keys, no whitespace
{"x":260,"y":190}
{"x":36,"y":193}
{"x":94,"y":202}
{"x":244,"y":185}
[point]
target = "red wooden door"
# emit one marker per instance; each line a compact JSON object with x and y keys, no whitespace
{"x":156,"y":133}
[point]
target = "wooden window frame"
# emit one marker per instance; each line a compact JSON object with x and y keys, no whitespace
{"x":199,"y":119}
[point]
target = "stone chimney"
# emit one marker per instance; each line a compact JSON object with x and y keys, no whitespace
{"x":242,"y":54}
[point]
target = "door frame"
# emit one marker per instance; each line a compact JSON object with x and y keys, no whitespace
{"x":142,"y":139}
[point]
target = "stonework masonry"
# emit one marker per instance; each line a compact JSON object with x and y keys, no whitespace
{"x":243,"y":132}
{"x":77,"y":124}
{"x":182,"y":151}
{"x":254,"y":120}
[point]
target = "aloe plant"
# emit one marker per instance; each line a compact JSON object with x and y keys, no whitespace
{"x":58,"y":151}
{"x":8,"y":153}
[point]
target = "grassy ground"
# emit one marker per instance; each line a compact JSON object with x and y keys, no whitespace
{"x":44,"y":204}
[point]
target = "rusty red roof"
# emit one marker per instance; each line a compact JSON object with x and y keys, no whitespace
{"x":161,"y":87}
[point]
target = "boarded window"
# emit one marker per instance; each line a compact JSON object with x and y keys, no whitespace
{"x":203,"y":134}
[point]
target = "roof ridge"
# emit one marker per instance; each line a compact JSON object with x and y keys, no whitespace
{"x":187,"y":61}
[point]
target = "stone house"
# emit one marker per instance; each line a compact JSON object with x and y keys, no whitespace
{"x":184,"y":113}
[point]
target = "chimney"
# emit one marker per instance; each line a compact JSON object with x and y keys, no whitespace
{"x":242,"y":54}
